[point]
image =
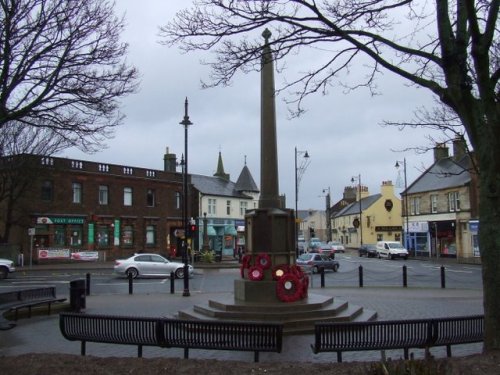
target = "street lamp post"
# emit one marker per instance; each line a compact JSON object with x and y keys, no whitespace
{"x":185,"y":122}
{"x":299,"y":172}
{"x":328,"y":219}
{"x":406,"y":230}
{"x":358,"y":178}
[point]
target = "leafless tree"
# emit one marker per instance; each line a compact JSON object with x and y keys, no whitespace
{"x":451,"y":49}
{"x":62,"y":67}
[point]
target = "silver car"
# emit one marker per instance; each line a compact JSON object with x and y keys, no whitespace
{"x":150,"y":265}
{"x":6,"y":267}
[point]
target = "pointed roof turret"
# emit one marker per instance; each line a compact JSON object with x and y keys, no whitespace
{"x":245,"y":181}
{"x":220,"y":169}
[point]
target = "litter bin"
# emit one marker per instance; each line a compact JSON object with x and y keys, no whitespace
{"x":77,"y":295}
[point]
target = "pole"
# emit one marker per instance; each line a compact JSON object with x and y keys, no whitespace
{"x":296,"y":209}
{"x":407,"y":242}
{"x":360,"y":213}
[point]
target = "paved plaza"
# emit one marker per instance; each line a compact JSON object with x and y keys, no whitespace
{"x":41,"y":334}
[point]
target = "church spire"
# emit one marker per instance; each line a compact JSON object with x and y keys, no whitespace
{"x":220,"y":169}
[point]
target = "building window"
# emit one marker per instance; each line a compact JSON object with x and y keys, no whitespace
{"x":177,"y":200}
{"x":47,"y":190}
{"x":102,"y":236}
{"x":103,"y":194}
{"x":434,"y":203}
{"x":127,"y":196}
{"x":59,"y":235}
{"x":128,"y":235}
{"x":212,"y":206}
{"x":415,"y":206}
{"x":77,"y":192}
{"x":243,"y":208}
{"x":150,"y":198}
{"x":76,"y":235}
{"x":228,"y":207}
{"x":150,"y":235}
{"x":454,"y":201}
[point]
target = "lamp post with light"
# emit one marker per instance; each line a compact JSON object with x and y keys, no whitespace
{"x":358,"y":178}
{"x":405,"y":230}
{"x":299,"y":172}
{"x":185,"y":258}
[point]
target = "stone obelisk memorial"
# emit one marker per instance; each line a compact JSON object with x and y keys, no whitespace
{"x":270,"y":229}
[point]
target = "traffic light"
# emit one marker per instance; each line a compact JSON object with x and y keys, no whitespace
{"x":311,"y":232}
{"x":192,"y":230}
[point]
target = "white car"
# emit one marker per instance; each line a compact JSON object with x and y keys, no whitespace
{"x":6,"y":267}
{"x":337,"y":247}
{"x":144,"y":264}
{"x":391,"y":250}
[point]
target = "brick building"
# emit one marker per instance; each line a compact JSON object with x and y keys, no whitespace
{"x":80,"y":206}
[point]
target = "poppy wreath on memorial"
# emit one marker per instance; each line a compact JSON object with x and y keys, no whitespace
{"x":263,"y":260}
{"x":245,"y":263}
{"x":289,"y":288}
{"x":255,"y":273}
{"x":279,"y":270}
{"x":297,"y":271}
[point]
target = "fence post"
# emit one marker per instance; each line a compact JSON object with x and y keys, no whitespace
{"x":130,"y":284}
{"x":322,"y":276}
{"x":405,"y":277}
{"x":360,"y":272}
{"x":172,"y":282}
{"x":87,"y":286}
{"x":443,"y":279}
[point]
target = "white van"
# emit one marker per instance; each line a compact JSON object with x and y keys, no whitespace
{"x":391,"y":250}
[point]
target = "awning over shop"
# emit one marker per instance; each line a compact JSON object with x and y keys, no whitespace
{"x":229,"y":229}
{"x":211,"y":231}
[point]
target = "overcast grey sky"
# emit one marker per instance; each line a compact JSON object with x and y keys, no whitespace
{"x":341,"y":132}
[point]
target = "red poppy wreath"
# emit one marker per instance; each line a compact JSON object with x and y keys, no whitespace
{"x":289,"y":288}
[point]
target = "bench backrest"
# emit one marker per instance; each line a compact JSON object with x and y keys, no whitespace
{"x":373,"y":335}
{"x":38,"y":293}
{"x":111,"y":329}
{"x":458,"y":330}
{"x":223,"y":334}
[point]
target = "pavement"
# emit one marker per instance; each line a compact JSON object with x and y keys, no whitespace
{"x":41,"y":334}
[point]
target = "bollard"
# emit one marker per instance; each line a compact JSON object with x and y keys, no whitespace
{"x":130,"y":284}
{"x":443,"y":280}
{"x":360,"y":272}
{"x":405,"y":277}
{"x":172,"y":282}
{"x":87,"y":288}
{"x":322,"y":276}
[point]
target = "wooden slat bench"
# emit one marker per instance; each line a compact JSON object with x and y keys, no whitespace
{"x":27,"y":299}
{"x":172,"y":333}
{"x":396,"y":334}
{"x":223,"y":335}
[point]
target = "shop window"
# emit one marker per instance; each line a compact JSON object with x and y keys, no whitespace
{"x":127,"y":196}
{"x":150,"y":198}
{"x":128,"y":235}
{"x":47,"y":190}
{"x":102,"y":236}
{"x":76,"y":235}
{"x":150,"y":235}
{"x":77,"y":192}
{"x":59,"y":235}
{"x":103,"y":195}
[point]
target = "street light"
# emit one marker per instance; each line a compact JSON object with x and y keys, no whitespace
{"x":299,"y":172}
{"x":358,"y":178}
{"x":185,"y":122}
{"x":328,"y":219}
{"x":405,"y":197}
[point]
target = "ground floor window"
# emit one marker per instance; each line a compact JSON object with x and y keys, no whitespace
{"x":102,"y":236}
{"x":76,"y":235}
{"x":59,"y":235}
{"x":128,"y":235}
{"x":150,"y":235}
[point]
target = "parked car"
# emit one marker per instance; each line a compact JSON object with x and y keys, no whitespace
{"x":368,"y":250}
{"x":315,"y":261}
{"x":323,"y":248}
{"x":6,"y":267}
{"x":313,"y":242}
{"x":144,"y":264}
{"x":391,"y":250}
{"x":337,"y":247}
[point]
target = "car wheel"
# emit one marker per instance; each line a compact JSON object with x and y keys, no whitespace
{"x":132,"y":272}
{"x":3,"y":272}
{"x":179,"y":273}
{"x":406,"y":258}
{"x":379,"y":256}
{"x":335,"y":267}
{"x":360,"y":255}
